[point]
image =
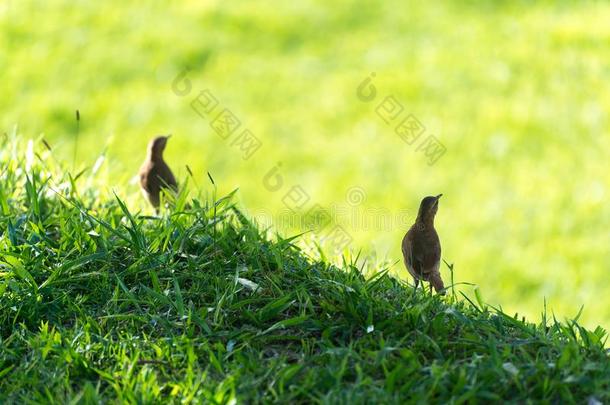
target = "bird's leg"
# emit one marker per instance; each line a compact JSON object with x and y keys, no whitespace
{"x":416,"y":282}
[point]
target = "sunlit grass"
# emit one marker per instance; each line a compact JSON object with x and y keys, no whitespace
{"x":102,"y":304}
{"x":518,"y":93}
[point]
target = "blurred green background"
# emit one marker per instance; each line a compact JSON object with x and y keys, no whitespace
{"x":517,"y":93}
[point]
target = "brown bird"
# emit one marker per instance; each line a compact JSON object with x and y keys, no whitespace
{"x":155,"y":174}
{"x":421,"y":246}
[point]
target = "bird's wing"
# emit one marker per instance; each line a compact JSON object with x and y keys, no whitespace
{"x":425,"y":258}
{"x":434,"y":258}
{"x":407,"y":253}
{"x":147,"y":173}
{"x":418,"y":260}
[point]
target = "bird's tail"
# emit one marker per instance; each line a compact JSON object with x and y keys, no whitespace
{"x":437,"y":282}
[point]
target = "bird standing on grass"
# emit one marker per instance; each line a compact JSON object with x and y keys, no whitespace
{"x":155,"y":174}
{"x":421,"y":246}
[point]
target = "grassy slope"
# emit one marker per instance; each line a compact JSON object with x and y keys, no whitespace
{"x":96,"y":303}
{"x":518,"y":92}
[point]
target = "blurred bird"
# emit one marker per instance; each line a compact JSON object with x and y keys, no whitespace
{"x":155,"y":174}
{"x":421,"y":246}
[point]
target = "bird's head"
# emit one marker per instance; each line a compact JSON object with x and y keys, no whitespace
{"x":428,"y":207}
{"x":157,"y":146}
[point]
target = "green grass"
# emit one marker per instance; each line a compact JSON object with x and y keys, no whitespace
{"x":517,"y":91}
{"x":98,"y":303}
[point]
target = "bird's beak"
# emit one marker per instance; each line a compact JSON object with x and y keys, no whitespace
{"x":438,"y":196}
{"x":168,"y":136}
